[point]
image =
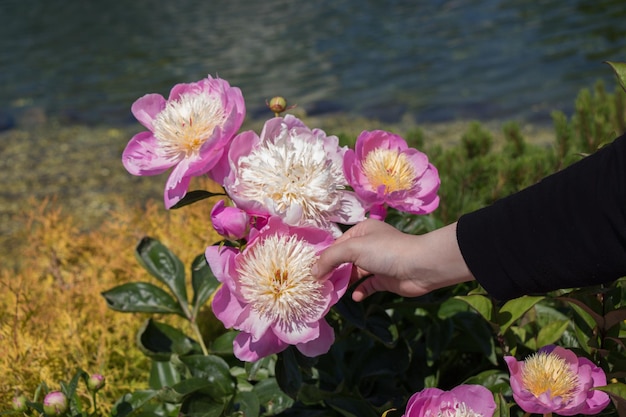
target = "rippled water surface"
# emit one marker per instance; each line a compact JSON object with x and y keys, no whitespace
{"x":436,"y":60}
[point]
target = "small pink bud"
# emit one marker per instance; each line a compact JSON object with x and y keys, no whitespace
{"x":230,"y":222}
{"x":95,"y":382}
{"x":55,"y":403}
{"x":19,"y":403}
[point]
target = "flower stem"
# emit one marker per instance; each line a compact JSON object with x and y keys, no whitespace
{"x":196,"y":330}
{"x":94,"y":404}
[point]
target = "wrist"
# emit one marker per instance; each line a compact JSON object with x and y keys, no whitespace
{"x":444,"y":259}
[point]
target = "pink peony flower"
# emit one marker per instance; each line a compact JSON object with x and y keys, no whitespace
{"x":230,"y":222}
{"x":269,"y":294}
{"x":187,"y":132}
{"x":555,"y":380}
{"x":385,"y":172}
{"x":292,"y":172}
{"x":464,"y":400}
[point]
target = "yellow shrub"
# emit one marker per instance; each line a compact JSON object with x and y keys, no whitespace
{"x":53,"y":320}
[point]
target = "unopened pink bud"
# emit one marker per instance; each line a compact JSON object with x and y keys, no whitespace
{"x":55,"y":403}
{"x":230,"y":222}
{"x":19,"y":403}
{"x":95,"y":382}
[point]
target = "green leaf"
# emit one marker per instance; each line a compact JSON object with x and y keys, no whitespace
{"x":223,"y":344}
{"x":163,"y":374}
{"x":271,"y":397}
{"x":214,"y":369}
{"x":551,"y":332}
{"x":203,"y":282}
{"x":474,"y":335}
{"x":351,"y":407}
{"x":132,"y":402}
{"x":382,"y":361}
{"x":380,"y":325}
{"x":288,"y":373}
{"x":247,"y":403}
{"x":438,"y":336}
{"x":141,"y":297}
{"x":164,"y":266}
{"x":512,"y":310}
{"x":159,"y":341}
{"x":176,"y":393}
{"x":259,"y":369}
{"x":70,"y":389}
{"x":198,"y":405}
{"x":493,"y":379}
{"x":503,"y":408}
{"x":480,"y":303}
{"x":193,"y":197}
{"x":352,"y":311}
{"x":620,"y":71}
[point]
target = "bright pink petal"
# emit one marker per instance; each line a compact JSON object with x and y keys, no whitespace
{"x":146,"y":108}
{"x":295,"y":333}
{"x":321,"y":344}
{"x":476,"y":397}
{"x":141,"y":157}
{"x":176,"y":186}
{"x":419,"y":402}
{"x":221,"y":260}
{"x":250,"y":351}
{"x":253,"y":323}
{"x":226,"y":307}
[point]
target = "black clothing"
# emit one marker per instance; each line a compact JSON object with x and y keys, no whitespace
{"x":567,"y":231}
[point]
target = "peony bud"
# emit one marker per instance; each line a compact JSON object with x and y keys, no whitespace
{"x":95,"y":382}
{"x":277,"y":105}
{"x":19,"y":403}
{"x":55,"y":403}
{"x":230,"y":222}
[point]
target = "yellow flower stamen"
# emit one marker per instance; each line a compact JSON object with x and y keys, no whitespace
{"x":185,"y":124}
{"x":275,"y":279}
{"x":549,"y":373}
{"x":389,"y":168}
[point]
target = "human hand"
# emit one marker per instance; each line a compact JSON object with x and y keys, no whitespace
{"x":408,"y":265}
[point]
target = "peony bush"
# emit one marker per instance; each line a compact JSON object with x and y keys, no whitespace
{"x":276,"y":341}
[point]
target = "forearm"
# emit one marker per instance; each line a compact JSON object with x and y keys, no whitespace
{"x":569,"y":230}
{"x":443,"y":264}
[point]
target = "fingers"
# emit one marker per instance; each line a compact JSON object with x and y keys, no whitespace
{"x":338,"y":253}
{"x":344,"y":249}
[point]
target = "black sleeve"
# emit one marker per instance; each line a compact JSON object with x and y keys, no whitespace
{"x":567,"y":231}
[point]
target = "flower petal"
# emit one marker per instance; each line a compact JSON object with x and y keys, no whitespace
{"x":246,"y":349}
{"x":146,"y":108}
{"x":226,"y":307}
{"x":141,"y":157}
{"x":321,"y":344}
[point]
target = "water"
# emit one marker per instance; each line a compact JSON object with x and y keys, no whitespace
{"x":435,"y":60}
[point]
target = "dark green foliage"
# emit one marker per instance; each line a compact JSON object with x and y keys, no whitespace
{"x":477,"y":141}
{"x":599,"y":117}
